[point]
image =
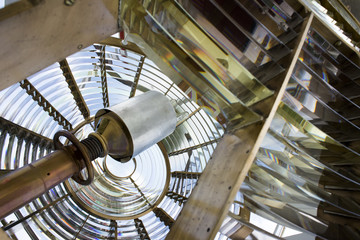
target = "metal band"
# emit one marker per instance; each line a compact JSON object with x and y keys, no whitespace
{"x":85,"y":156}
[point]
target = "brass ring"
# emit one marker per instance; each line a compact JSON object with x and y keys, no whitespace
{"x":85,"y":156}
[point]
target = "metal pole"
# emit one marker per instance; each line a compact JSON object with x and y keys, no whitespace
{"x":27,"y":183}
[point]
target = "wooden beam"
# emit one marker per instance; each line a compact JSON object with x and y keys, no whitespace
{"x":3,"y":235}
{"x":16,"y":8}
{"x":49,"y":32}
{"x":210,"y":200}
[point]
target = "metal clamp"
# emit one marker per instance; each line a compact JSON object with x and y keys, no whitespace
{"x":84,"y":154}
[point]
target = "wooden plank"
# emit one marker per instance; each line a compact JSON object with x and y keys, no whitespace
{"x":17,"y":7}
{"x":242,"y":233}
{"x":35,"y":38}
{"x":14,"y":9}
{"x":210,"y":200}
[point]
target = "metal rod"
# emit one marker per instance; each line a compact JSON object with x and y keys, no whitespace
{"x":13,"y":224}
{"x":81,"y":226}
{"x":26,"y":225}
{"x":168,"y":90}
{"x":141,"y":193}
{"x":45,"y":104}
{"x":104,"y":86}
{"x":193,"y":147}
{"x":36,"y":178}
{"x":189,"y":116}
{"x":75,"y":91}
{"x":137,"y":77}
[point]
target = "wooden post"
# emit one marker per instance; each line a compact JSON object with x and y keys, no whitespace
{"x":209,"y":203}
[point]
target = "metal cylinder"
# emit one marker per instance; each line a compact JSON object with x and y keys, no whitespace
{"x":144,"y":120}
{"x":25,"y":184}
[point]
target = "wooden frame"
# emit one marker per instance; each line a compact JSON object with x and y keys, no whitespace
{"x":49,"y":32}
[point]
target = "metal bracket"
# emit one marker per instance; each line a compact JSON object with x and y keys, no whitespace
{"x":69,"y":2}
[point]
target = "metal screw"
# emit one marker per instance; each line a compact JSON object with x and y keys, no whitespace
{"x":338,"y":43}
{"x":80,"y":46}
{"x":69,"y":2}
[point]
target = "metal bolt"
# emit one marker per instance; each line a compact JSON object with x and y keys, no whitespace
{"x":338,"y":43}
{"x":69,"y":2}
